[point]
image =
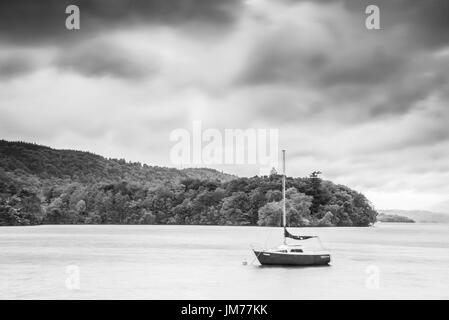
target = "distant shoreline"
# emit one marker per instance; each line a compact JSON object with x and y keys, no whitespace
{"x":208,"y":225}
{"x":393,"y":218}
{"x":235,"y":226}
{"x":419,"y":216}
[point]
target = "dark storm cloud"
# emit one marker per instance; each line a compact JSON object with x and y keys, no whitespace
{"x":90,"y":60}
{"x":361,"y":74}
{"x":427,"y":21}
{"x":280,"y":62}
{"x":425,"y":25}
{"x":31,"y":21}
{"x":36,"y":24}
{"x":367,"y":69}
{"x":13,"y":65}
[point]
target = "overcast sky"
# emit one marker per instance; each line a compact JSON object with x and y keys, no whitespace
{"x":369,"y":108}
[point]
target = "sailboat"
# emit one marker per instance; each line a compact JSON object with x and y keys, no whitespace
{"x":291,"y":254}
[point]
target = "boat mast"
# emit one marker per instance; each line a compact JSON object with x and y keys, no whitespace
{"x":284,"y":215}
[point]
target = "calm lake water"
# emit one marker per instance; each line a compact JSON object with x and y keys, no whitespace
{"x":388,"y":261}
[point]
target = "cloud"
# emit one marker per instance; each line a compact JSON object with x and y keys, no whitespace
{"x":424,"y":23}
{"x":325,"y":63}
{"x":42,"y":23}
{"x":12,"y":66}
{"x":27,"y":24}
{"x":89,"y":59}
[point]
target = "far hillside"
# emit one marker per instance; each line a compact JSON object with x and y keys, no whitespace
{"x":381,"y":217}
{"x":43,"y":162}
{"x":420,"y":216}
{"x":41,"y":185}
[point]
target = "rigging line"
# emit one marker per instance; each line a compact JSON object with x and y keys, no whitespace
{"x":257,"y":257}
{"x":268,"y":237}
{"x":321,"y":244}
{"x":265,"y":245}
{"x":262,"y":249}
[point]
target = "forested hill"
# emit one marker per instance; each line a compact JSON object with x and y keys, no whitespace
{"x":41,"y":185}
{"x":45,"y":162}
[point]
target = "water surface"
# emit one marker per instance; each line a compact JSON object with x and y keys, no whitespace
{"x":388,"y":261}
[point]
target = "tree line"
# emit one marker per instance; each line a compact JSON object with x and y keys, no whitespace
{"x":71,"y":187}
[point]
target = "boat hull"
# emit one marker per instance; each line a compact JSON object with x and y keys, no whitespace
{"x":286,"y":259}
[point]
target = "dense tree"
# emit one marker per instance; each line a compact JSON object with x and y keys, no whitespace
{"x":236,"y":209}
{"x":42,"y":185}
{"x":270,"y":214}
{"x":297,"y":207}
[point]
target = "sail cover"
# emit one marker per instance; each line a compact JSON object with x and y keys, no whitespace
{"x":291,"y":236}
